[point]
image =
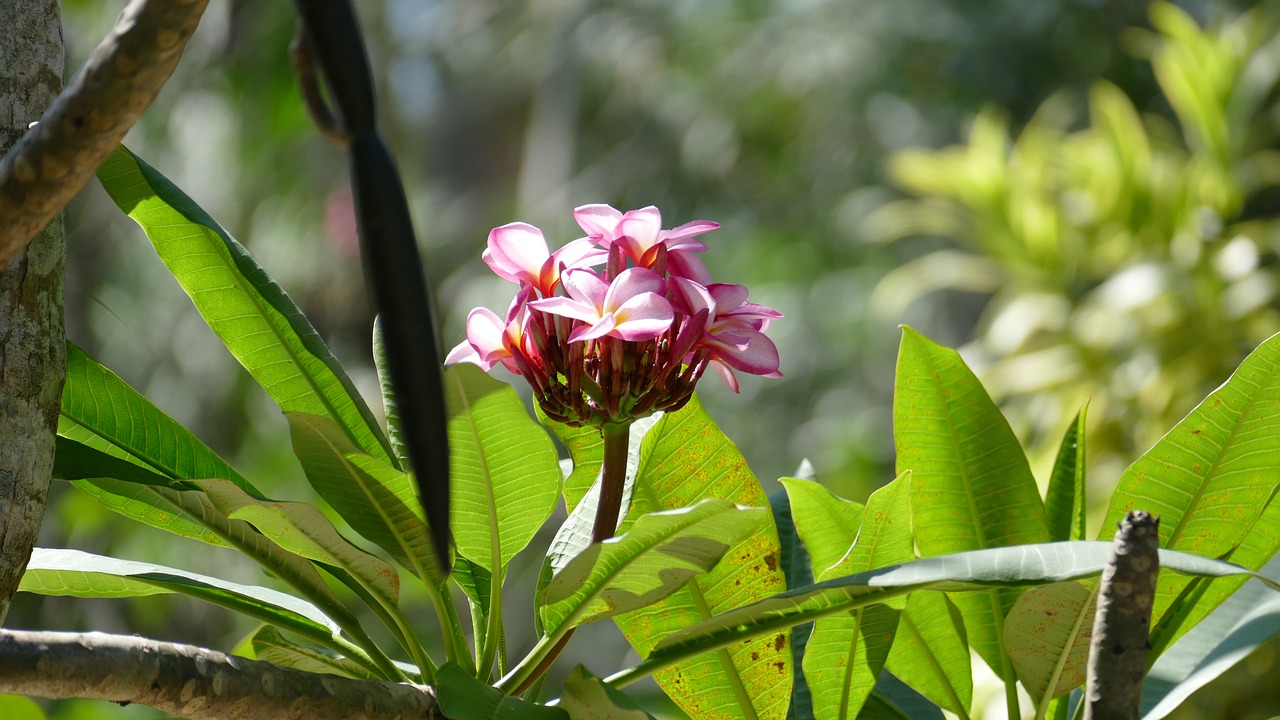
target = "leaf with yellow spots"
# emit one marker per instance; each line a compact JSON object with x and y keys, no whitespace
{"x":685,"y":458}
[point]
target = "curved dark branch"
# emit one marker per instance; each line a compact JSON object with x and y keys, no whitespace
{"x":193,"y":682}
{"x":53,"y":161}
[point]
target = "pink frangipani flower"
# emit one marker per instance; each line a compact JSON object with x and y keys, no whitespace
{"x":733,"y":329}
{"x":490,"y":340}
{"x":629,"y":308}
{"x":518,"y":252}
{"x":639,"y":233}
{"x":603,"y":346}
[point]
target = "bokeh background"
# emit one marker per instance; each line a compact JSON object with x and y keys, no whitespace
{"x":1081,"y":195}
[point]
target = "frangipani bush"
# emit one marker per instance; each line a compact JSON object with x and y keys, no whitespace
{"x":705,"y":583}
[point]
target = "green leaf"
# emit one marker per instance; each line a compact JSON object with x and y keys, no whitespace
{"x":251,"y":314}
{"x":930,"y":652}
{"x":846,"y":653}
{"x":586,"y":697}
{"x":586,"y":447}
{"x":656,"y":556}
{"x":1202,"y":598}
{"x":1212,"y":476}
{"x":827,"y":524}
{"x":1047,"y":636}
{"x":997,"y":567}
{"x":505,"y":473}
{"x":270,"y":646}
{"x":304,"y":530}
{"x":685,"y":458}
{"x":972,"y":486}
{"x":101,"y":411}
{"x":462,"y":697}
{"x":1064,"y":502}
{"x":377,"y":500}
{"x":76,"y":461}
{"x":81,"y":574}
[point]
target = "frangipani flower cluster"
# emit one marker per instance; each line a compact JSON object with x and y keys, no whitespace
{"x":617,"y":324}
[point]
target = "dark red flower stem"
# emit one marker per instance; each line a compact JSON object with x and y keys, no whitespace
{"x":613,"y":479}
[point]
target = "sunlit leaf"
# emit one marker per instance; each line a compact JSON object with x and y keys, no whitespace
{"x":997,"y":567}
{"x":1047,"y":635}
{"x":248,"y":311}
{"x":972,"y":486}
{"x":846,"y":653}
{"x":827,"y":524}
{"x":81,"y":574}
{"x":685,"y":458}
{"x":930,"y":652}
{"x":656,"y":556}
{"x":1210,"y":479}
{"x":505,"y":473}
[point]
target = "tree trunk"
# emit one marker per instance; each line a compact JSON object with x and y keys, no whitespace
{"x":32,"y":340}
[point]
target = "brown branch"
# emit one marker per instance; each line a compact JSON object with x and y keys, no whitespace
{"x":1121,"y":629}
{"x":51,"y":163}
{"x":192,"y":682}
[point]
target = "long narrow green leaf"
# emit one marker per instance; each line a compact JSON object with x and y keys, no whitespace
{"x":81,"y":574}
{"x":252,"y":315}
{"x":1020,"y":565}
{"x":656,"y":556}
{"x":973,"y":488}
{"x":377,"y":500}
{"x":1212,"y":476}
{"x":103,"y":412}
{"x":76,"y":461}
{"x":846,"y":653}
{"x":304,"y":530}
{"x":683,"y":459}
{"x":1064,"y":502}
{"x":506,"y":475}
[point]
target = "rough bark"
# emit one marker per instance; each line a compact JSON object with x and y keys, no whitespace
{"x":55,"y":160}
{"x":32,"y":344}
{"x":1122,"y":626}
{"x":192,"y":682}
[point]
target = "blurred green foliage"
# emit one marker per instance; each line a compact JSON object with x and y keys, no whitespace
{"x":1130,"y":258}
{"x":1127,"y":256}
